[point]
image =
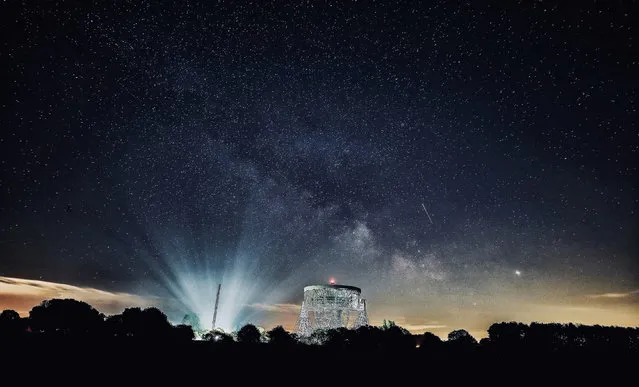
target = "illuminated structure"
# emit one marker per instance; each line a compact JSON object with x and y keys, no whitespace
{"x":217,"y":302}
{"x":331,"y":306}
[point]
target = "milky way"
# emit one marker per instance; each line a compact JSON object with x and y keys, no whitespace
{"x":462,"y":164}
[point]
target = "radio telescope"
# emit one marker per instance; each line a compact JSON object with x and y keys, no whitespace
{"x":331,"y":306}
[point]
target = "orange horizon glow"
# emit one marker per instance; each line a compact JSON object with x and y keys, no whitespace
{"x":611,"y":309}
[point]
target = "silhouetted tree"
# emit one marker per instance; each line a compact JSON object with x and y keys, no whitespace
{"x":8,"y":316}
{"x":396,"y":338}
{"x":74,"y":319}
{"x":544,"y":337}
{"x":337,"y":338}
{"x":155,"y":323}
{"x":333,"y":338}
{"x":66,"y":317}
{"x":148,"y":323}
{"x":509,"y":335}
{"x":218,"y":337}
{"x":280,"y":337}
{"x":461,"y":335}
{"x":366,"y":338}
{"x":430,"y":342}
{"x":461,"y":340}
{"x":182,"y":333}
{"x":249,"y":334}
{"x":114,"y":326}
{"x":555,"y":338}
{"x":388,"y":324}
{"x":132,"y":321}
{"x":318,"y":337}
{"x":11,"y":325}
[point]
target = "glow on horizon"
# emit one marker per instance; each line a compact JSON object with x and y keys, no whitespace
{"x":22,"y":295}
{"x":603,"y":309}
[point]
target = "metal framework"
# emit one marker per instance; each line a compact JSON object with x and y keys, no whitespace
{"x":217,"y":301}
{"x":331,"y":306}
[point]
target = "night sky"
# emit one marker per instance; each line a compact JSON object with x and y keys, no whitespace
{"x":463,"y":164}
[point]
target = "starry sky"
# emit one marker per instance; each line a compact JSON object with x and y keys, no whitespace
{"x":463,"y":164}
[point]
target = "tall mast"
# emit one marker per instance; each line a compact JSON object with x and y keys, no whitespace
{"x":217,"y":300}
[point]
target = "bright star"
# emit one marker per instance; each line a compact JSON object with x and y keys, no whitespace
{"x":518,"y":273}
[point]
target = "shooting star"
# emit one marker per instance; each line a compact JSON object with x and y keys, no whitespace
{"x":427,"y":214}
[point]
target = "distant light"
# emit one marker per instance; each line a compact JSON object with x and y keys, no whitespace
{"x":518,"y":273}
{"x":332,"y":281}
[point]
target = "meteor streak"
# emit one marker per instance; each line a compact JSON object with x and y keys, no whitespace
{"x":427,"y":214}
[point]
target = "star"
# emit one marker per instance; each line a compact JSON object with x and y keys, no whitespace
{"x":404,"y":167}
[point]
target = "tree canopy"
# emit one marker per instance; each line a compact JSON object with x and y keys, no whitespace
{"x":249,"y":334}
{"x":67,"y":318}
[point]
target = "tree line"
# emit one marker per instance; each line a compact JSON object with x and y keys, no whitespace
{"x":68,"y":319}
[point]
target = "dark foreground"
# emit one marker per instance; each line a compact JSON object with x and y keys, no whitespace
{"x":125,"y":362}
{"x":66,"y":342}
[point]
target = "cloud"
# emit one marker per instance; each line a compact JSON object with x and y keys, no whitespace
{"x":277,"y":308}
{"x":621,"y":298}
{"x":629,"y":294}
{"x":420,"y":328}
{"x":23,"y":294}
{"x":416,"y":326}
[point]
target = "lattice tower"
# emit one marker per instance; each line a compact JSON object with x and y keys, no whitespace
{"x":331,"y":306}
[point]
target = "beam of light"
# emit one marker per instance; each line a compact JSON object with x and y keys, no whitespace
{"x":223,"y":219}
{"x":191,"y":282}
{"x":250,"y":274}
